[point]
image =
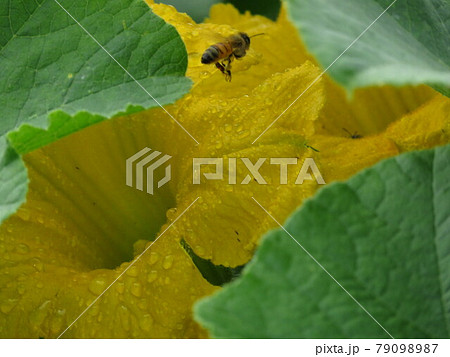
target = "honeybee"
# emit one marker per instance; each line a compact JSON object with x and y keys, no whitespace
{"x":222,"y":53}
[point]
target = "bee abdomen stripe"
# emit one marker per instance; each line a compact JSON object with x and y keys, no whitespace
{"x":220,"y":47}
{"x":210,"y":55}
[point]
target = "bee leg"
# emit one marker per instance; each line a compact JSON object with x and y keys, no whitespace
{"x":228,"y":69}
{"x":223,"y":68}
{"x":220,"y":67}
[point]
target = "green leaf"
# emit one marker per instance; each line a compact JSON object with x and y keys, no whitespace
{"x":384,"y":235}
{"x":13,"y":180}
{"x":56,"y":79}
{"x":406,"y":45}
{"x":49,"y":63}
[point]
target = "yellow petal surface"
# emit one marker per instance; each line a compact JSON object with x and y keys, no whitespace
{"x":82,"y":226}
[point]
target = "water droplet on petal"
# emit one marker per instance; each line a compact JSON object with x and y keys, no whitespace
{"x":22,"y":248}
{"x":133,"y":271}
{"x":243,"y":134}
{"x":199,"y":250}
{"x":24,"y":214}
{"x":172,"y":213}
{"x":168,"y":262}
{"x":151,"y":277}
{"x":8,"y":305}
{"x":154,"y":257}
{"x":97,"y":286}
{"x":146,"y":322}
{"x":120,"y":287}
{"x":124,"y":317}
{"x":37,"y":264}
{"x":136,"y":289}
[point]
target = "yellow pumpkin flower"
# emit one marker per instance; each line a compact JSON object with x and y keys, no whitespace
{"x":81,"y":226}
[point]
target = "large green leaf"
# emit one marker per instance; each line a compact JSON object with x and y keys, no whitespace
{"x":384,"y":235}
{"x":55,"y":79}
{"x":49,"y":62}
{"x":406,"y":45}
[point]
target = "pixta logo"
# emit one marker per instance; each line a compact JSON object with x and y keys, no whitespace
{"x":142,"y":159}
{"x":145,"y":162}
{"x":308,"y":166}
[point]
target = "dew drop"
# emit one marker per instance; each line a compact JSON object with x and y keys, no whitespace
{"x":199,"y":250}
{"x":97,"y":286}
{"x":124,"y":317}
{"x":171,"y":214}
{"x":146,"y":322}
{"x":133,"y":271}
{"x":24,"y":214}
{"x":120,"y":287}
{"x":151,"y":277}
{"x":204,"y":74}
{"x":37,"y":264}
{"x":168,"y":262}
{"x":136,"y":289}
{"x":154,"y":257}
{"x":23,"y":248}
{"x":243,"y":134}
{"x":57,"y":321}
{"x":228,"y":128}
{"x":8,"y":305}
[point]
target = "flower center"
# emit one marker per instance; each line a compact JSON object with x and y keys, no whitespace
{"x":79,"y":204}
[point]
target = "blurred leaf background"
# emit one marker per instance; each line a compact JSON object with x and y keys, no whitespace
{"x":199,"y":9}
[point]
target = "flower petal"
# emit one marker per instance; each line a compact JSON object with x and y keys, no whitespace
{"x":80,"y":218}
